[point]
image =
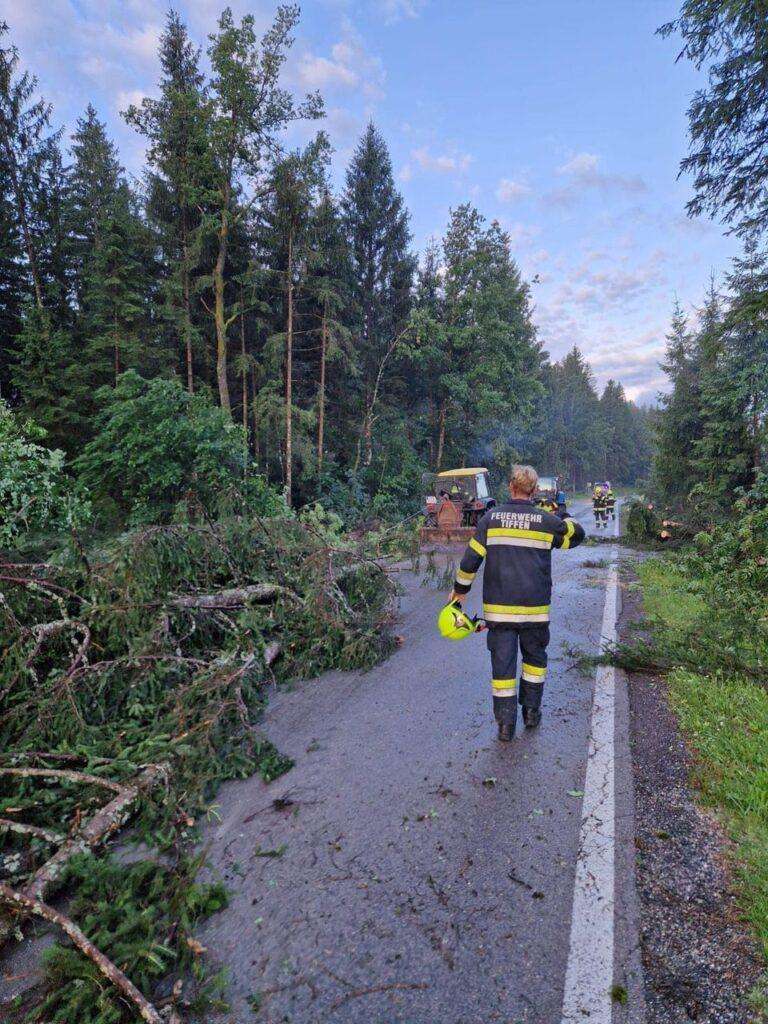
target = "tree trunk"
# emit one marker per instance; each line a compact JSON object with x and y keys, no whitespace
{"x":255,"y":444}
{"x":187,"y":303}
{"x":219,"y":317}
{"x":244,"y":368}
{"x":289,"y":375}
{"x":321,"y":390}
{"x":440,"y":437}
{"x":368,"y":436}
{"x":116,"y":341}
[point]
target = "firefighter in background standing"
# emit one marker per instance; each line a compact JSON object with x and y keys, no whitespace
{"x":610,"y":501}
{"x":599,"y":507}
{"x":516,"y":541}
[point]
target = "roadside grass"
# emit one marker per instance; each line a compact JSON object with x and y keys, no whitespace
{"x":724,"y":718}
{"x":665,"y":597}
{"x":726,"y":724}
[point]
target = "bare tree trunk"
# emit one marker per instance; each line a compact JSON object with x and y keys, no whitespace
{"x":321,"y":390}
{"x":756,"y":453}
{"x":244,"y":366}
{"x":368,"y":435}
{"x":116,"y":342}
{"x":440,"y":437}
{"x":289,"y":376}
{"x":186,"y":293}
{"x":255,"y":445}
{"x":219,"y":317}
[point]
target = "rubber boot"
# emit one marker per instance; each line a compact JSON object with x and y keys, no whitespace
{"x":505,"y":713}
{"x":531,"y":717}
{"x":506,"y":731}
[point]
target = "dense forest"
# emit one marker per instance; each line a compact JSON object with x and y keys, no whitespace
{"x":213,"y":374}
{"x":234,"y":316}
{"x":711,"y":432}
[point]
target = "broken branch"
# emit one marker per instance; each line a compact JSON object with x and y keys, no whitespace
{"x":30,"y":905}
{"x":6,"y":825}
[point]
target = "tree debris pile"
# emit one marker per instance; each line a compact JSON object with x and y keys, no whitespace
{"x":151,"y":656}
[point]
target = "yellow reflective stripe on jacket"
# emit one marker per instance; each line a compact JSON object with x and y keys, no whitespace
{"x":516,"y":609}
{"x":465,"y":577}
{"x":478,"y":547}
{"x":511,"y":531}
{"x":570,"y":528}
{"x":516,"y":613}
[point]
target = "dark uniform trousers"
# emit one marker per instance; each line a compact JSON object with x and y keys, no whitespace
{"x":503,"y":643}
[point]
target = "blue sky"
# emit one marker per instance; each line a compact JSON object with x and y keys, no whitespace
{"x":565,"y":120}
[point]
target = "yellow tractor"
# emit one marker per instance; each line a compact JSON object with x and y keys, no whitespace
{"x":455,"y":500}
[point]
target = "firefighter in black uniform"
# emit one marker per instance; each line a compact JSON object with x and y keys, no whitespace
{"x":516,"y":540}
{"x":610,"y":503}
{"x":599,"y":507}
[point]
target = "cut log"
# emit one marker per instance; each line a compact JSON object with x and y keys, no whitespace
{"x":26,"y":905}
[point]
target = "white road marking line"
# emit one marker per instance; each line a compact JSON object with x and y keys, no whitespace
{"x":589,"y":974}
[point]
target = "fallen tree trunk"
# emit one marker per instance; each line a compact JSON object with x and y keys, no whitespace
{"x":26,"y":905}
{"x":95,"y":831}
{"x":235,"y":598}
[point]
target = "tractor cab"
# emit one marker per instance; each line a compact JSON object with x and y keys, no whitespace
{"x":455,"y":500}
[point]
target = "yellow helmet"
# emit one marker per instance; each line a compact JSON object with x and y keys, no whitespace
{"x":454,"y":623}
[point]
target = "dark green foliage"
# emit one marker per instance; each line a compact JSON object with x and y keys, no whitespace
{"x":728,"y":118}
{"x":724,"y":575}
{"x":711,"y":429}
{"x":156,"y":445}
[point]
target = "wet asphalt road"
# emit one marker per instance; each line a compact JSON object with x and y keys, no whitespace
{"x":425,"y":871}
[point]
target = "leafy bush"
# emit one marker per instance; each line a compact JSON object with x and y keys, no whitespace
{"x":157,"y":446}
{"x":36,"y":494}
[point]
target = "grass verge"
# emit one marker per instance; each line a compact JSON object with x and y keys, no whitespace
{"x":725,"y":721}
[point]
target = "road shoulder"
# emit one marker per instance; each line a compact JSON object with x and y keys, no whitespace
{"x":700,"y":961}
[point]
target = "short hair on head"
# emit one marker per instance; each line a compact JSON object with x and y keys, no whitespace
{"x":523,"y":479}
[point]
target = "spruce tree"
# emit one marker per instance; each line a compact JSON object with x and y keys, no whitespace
{"x":377,"y":226}
{"x":678,"y":424}
{"x":12,"y":291}
{"x":27,"y":146}
{"x":329,"y":283}
{"x":179,"y":156}
{"x":94,"y":182}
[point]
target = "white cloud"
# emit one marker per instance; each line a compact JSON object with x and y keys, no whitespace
{"x":397,"y":10}
{"x":508,"y":190}
{"x":319,"y":72}
{"x":441,"y":163}
{"x":583,"y":174}
{"x":349,"y":66}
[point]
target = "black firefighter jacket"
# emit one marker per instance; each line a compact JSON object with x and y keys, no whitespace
{"x":516,"y":540}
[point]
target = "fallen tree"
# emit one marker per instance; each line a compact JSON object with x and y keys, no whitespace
{"x":138,"y":672}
